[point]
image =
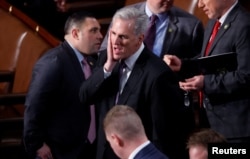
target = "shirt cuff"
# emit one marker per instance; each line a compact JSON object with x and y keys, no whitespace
{"x":106,"y":73}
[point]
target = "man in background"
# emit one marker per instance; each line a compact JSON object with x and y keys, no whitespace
{"x":198,"y":142}
{"x":125,"y":132}
{"x":56,"y":123}
{"x":226,"y":104}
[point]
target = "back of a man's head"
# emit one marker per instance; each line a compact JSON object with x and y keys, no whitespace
{"x":124,"y":121}
{"x":198,"y":143}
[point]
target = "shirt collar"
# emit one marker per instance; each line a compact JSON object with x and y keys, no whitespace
{"x":148,"y":12}
{"x":79,"y":55}
{"x":130,"y":61}
{"x":162,"y":16}
{"x":223,"y":18}
{"x":133,"y":154}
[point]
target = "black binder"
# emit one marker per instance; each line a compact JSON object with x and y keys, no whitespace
{"x":214,"y":64}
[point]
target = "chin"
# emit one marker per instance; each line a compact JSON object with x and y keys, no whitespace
{"x":116,"y":58}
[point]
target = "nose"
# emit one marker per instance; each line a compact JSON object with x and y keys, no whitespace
{"x":116,"y":39}
{"x":100,"y":35}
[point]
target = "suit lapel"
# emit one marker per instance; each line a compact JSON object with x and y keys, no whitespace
{"x":134,"y":78}
{"x":92,"y":61}
{"x":223,"y":29}
{"x":218,"y":36}
{"x":115,"y":73}
{"x":170,"y":34}
{"x":131,"y":83}
{"x":75,"y":63}
{"x":207,"y":35}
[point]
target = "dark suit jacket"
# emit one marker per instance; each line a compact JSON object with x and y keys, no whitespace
{"x":152,"y":90}
{"x":150,"y":152}
{"x":53,"y":112}
{"x":227,"y":100}
{"x":183,"y":38}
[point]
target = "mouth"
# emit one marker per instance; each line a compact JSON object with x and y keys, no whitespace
{"x":117,"y":50}
{"x":166,"y":4}
{"x":98,"y":44}
{"x":205,"y":11}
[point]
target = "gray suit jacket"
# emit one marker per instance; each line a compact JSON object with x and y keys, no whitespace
{"x":227,"y":101}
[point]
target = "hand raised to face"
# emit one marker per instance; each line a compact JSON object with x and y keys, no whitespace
{"x":111,"y":62}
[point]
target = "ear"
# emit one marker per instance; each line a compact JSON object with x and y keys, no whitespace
{"x":117,"y":140}
{"x":140,"y":38}
{"x":75,"y":34}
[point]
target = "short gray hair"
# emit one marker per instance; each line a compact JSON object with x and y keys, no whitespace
{"x":131,"y":13}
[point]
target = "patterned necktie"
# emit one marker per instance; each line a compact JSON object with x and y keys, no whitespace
{"x":151,"y":32}
{"x":122,"y":73}
{"x":212,"y":37}
{"x":92,"y":129}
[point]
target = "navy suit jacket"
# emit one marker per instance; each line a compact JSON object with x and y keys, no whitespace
{"x":53,"y":112}
{"x":150,"y":152}
{"x":227,"y":101}
{"x":152,"y":90}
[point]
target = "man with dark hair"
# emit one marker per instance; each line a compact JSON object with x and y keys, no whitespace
{"x":56,"y":123}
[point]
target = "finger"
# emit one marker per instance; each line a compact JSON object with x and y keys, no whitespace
{"x":185,"y":88}
{"x":109,"y":43}
{"x":189,"y":80}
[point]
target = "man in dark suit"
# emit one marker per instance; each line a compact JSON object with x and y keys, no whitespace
{"x":147,"y":84}
{"x":177,"y":33}
{"x":125,"y":133}
{"x":226,"y":100}
{"x":56,"y":124}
